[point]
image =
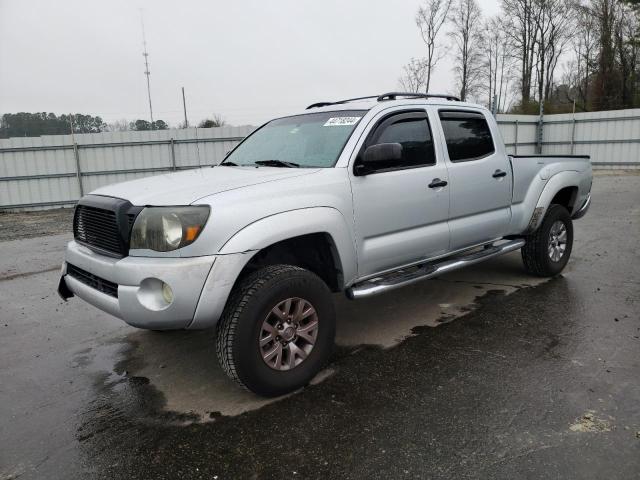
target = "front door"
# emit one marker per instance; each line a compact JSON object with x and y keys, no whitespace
{"x":480,"y":180}
{"x":400,"y":211}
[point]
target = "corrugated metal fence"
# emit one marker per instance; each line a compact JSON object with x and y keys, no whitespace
{"x":51,"y":171}
{"x":611,"y":138}
{"x":57,"y":170}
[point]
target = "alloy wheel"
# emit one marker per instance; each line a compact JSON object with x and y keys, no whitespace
{"x":288,"y":334}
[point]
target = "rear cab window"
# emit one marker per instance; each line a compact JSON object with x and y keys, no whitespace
{"x":467,"y":135}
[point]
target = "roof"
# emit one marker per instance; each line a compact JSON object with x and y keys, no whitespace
{"x":389,"y":100}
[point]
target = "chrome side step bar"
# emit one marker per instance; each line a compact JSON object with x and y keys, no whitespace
{"x":407,"y":276}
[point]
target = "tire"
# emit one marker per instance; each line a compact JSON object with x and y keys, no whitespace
{"x":251,"y":307}
{"x":539,"y":257}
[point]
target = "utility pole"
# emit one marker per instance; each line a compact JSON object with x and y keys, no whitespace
{"x":76,"y":156}
{"x":146,"y":66}
{"x":184,"y":105}
{"x":540,"y":127}
{"x":573,"y":128}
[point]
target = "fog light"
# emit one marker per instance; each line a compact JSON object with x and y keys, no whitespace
{"x":167,"y":293}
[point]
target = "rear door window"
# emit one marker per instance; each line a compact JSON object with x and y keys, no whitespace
{"x":467,"y":134}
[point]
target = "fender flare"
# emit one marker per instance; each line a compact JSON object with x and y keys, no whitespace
{"x":553,"y":186}
{"x":294,"y":223}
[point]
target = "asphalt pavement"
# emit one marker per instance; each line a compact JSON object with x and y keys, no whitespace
{"x":483,"y":373}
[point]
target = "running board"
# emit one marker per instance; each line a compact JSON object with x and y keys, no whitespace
{"x":407,"y":276}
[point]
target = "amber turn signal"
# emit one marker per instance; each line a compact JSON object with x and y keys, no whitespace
{"x":192,"y":233}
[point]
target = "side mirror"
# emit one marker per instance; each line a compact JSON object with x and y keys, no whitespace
{"x":376,"y":156}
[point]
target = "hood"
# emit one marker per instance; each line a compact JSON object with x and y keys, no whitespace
{"x":184,"y":188}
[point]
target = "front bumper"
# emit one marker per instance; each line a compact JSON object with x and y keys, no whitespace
{"x":139,"y":298}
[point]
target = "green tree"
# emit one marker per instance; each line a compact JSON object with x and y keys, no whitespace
{"x":159,"y":125}
{"x":143,"y":125}
{"x":140,"y":125}
{"x":216,"y":121}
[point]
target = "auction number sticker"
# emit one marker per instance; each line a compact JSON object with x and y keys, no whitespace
{"x":341,"y":121}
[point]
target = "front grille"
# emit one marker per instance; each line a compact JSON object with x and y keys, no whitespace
{"x":100,"y":284}
{"x":98,"y":228}
{"x":104,"y":224}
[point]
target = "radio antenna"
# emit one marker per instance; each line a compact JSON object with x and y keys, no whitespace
{"x":147,"y":73}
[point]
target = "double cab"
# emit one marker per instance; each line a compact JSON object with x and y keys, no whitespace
{"x":359,"y":196}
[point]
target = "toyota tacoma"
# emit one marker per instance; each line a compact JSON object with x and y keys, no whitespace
{"x":359,"y":196}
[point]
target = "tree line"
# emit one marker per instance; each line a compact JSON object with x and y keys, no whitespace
{"x":25,"y":124}
{"x":582,"y":53}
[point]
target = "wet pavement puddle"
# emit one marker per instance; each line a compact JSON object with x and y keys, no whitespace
{"x":177,"y":379}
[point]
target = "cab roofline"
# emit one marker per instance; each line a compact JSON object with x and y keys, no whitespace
{"x":385,"y":97}
{"x":372,"y":104}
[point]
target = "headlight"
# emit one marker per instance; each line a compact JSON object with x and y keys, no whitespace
{"x":168,"y":228}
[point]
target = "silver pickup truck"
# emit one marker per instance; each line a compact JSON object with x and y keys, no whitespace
{"x":359,"y":196}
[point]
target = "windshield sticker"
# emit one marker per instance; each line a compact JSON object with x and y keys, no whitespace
{"x":341,"y":121}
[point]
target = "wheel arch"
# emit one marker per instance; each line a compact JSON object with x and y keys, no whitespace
{"x":315,"y":252}
{"x":566,"y":197}
{"x":306,"y":237}
{"x":563,"y":189}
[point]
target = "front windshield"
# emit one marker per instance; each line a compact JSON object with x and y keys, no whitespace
{"x":310,"y":140}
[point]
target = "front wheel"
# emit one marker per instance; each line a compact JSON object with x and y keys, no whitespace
{"x":277,"y":330}
{"x":548,"y":249}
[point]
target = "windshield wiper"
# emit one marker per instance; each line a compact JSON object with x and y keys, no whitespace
{"x":227,"y":164}
{"x":277,"y":163}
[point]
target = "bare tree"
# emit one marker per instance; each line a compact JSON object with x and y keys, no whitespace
{"x":521,"y":29}
{"x":118,"y":126}
{"x":498,"y":65}
{"x":627,"y":50}
{"x":466,"y":34}
{"x":430,"y":18}
{"x":216,"y":121}
{"x":505,"y":70}
{"x":580,"y":70}
{"x":414,"y":76}
{"x":606,"y":44}
{"x":605,"y":84}
{"x":553,"y":21}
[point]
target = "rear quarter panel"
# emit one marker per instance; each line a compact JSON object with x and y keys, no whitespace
{"x":537,"y":179}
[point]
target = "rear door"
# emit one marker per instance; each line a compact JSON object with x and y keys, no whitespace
{"x":400,"y":212}
{"x":480,"y":179}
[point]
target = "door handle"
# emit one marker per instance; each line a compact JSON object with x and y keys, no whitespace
{"x":499,"y":174}
{"x":437,"y":183}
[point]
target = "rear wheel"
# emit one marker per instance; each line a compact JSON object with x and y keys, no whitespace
{"x":277,"y":330}
{"x":548,"y":249}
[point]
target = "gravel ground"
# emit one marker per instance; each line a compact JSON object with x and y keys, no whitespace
{"x":14,"y":226}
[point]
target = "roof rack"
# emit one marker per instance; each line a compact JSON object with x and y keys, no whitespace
{"x":385,"y":97}
{"x":339,"y":102}
{"x":394,"y":95}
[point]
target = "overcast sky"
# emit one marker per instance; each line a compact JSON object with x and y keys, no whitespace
{"x":248,"y":60}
